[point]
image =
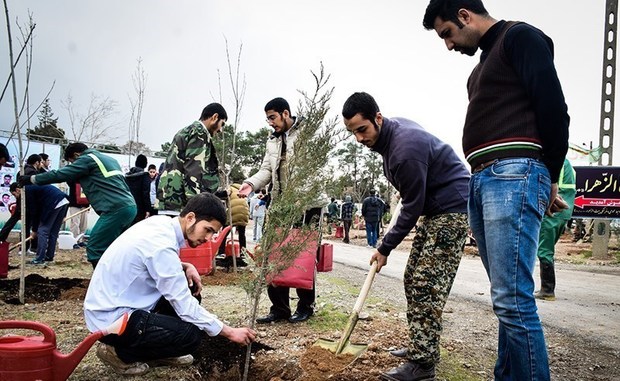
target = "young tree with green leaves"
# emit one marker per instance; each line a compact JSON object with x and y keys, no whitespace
{"x":306,"y":173}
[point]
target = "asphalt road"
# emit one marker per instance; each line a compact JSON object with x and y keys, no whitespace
{"x":587,"y":304}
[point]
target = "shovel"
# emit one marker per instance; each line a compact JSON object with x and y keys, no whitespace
{"x":343,"y":345}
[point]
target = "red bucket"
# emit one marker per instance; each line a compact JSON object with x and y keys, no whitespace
{"x":230,"y":247}
{"x":4,"y":259}
{"x":339,"y":232}
{"x":201,"y":257}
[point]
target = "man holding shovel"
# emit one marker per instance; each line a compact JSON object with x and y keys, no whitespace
{"x":433,"y":183}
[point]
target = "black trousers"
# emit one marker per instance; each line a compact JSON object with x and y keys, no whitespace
{"x":347,"y":228}
{"x":242,"y":241}
{"x":155,"y":335}
{"x":279,"y":296}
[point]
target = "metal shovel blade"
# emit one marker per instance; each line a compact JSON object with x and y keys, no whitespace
{"x":349,"y":349}
{"x":343,"y":345}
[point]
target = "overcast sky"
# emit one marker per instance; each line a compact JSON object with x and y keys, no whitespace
{"x":91,"y":47}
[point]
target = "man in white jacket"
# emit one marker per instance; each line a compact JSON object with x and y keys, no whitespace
{"x":278,"y":153}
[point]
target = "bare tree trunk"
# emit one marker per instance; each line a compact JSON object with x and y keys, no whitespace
{"x":22,"y":284}
{"x":139,"y":84}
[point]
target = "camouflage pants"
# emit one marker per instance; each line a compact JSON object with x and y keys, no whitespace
{"x":435,"y":256}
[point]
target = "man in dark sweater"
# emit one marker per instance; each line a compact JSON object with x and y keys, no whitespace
{"x":515,"y":138}
{"x":432,"y":182}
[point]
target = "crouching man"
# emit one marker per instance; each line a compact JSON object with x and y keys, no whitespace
{"x":141,"y":274}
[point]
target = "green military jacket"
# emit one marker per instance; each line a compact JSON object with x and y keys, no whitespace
{"x":191,"y":168}
{"x":101,"y":178}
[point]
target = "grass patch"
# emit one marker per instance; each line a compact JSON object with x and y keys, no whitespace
{"x":345,"y":285}
{"x":455,"y":368}
{"x":29,"y":315}
{"x":586,"y":254}
{"x":328,"y":318}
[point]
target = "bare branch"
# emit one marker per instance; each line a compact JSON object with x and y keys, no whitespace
{"x":94,"y":125}
{"x":8,"y":80}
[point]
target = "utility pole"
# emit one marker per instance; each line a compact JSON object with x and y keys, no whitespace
{"x":600,"y":234}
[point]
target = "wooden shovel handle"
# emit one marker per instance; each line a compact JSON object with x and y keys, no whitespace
{"x":365,"y":288}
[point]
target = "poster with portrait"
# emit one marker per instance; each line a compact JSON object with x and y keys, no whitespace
{"x":10,"y":172}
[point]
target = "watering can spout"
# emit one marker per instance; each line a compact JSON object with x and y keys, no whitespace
{"x":220,"y":237}
{"x":65,"y":364}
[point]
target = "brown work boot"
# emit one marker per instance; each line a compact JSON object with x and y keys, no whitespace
{"x":107,"y":355}
{"x":173,"y":361}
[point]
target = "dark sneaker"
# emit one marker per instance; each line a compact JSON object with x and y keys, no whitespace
{"x":173,"y":361}
{"x":107,"y":355}
{"x":298,"y":317}
{"x":411,"y":371}
{"x":36,"y":262}
{"x":542,"y":295}
{"x":401,"y":352}
{"x":270,"y":318}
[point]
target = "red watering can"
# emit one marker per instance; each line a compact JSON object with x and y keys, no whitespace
{"x":202,"y":256}
{"x":25,"y":358}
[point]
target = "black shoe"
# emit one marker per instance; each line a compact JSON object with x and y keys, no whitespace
{"x":300,"y":316}
{"x":411,"y":371}
{"x":402,"y":352}
{"x":270,"y":318}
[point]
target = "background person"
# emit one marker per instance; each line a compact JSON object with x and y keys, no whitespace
{"x":240,"y":217}
{"x":372,"y":211}
{"x":139,"y":184}
{"x":260,"y":211}
{"x":46,"y":162}
{"x":153,"y":182}
{"x":551,"y":229}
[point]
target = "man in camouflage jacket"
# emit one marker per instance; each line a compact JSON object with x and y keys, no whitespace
{"x":191,"y":164}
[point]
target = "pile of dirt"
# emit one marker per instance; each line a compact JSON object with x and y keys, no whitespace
{"x":39,"y":289}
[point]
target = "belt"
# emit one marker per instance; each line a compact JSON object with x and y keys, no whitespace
{"x":484,"y":165}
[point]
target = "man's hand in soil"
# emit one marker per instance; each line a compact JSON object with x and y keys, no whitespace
{"x":193,"y":278}
{"x":243,"y":336}
{"x":380,"y":258}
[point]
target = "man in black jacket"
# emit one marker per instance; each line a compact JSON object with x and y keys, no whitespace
{"x":139,"y":184}
{"x":372,"y":211}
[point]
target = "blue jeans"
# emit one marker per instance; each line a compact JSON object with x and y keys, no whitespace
{"x":371,"y":232}
{"x":47,"y":234}
{"x":507,"y":201}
